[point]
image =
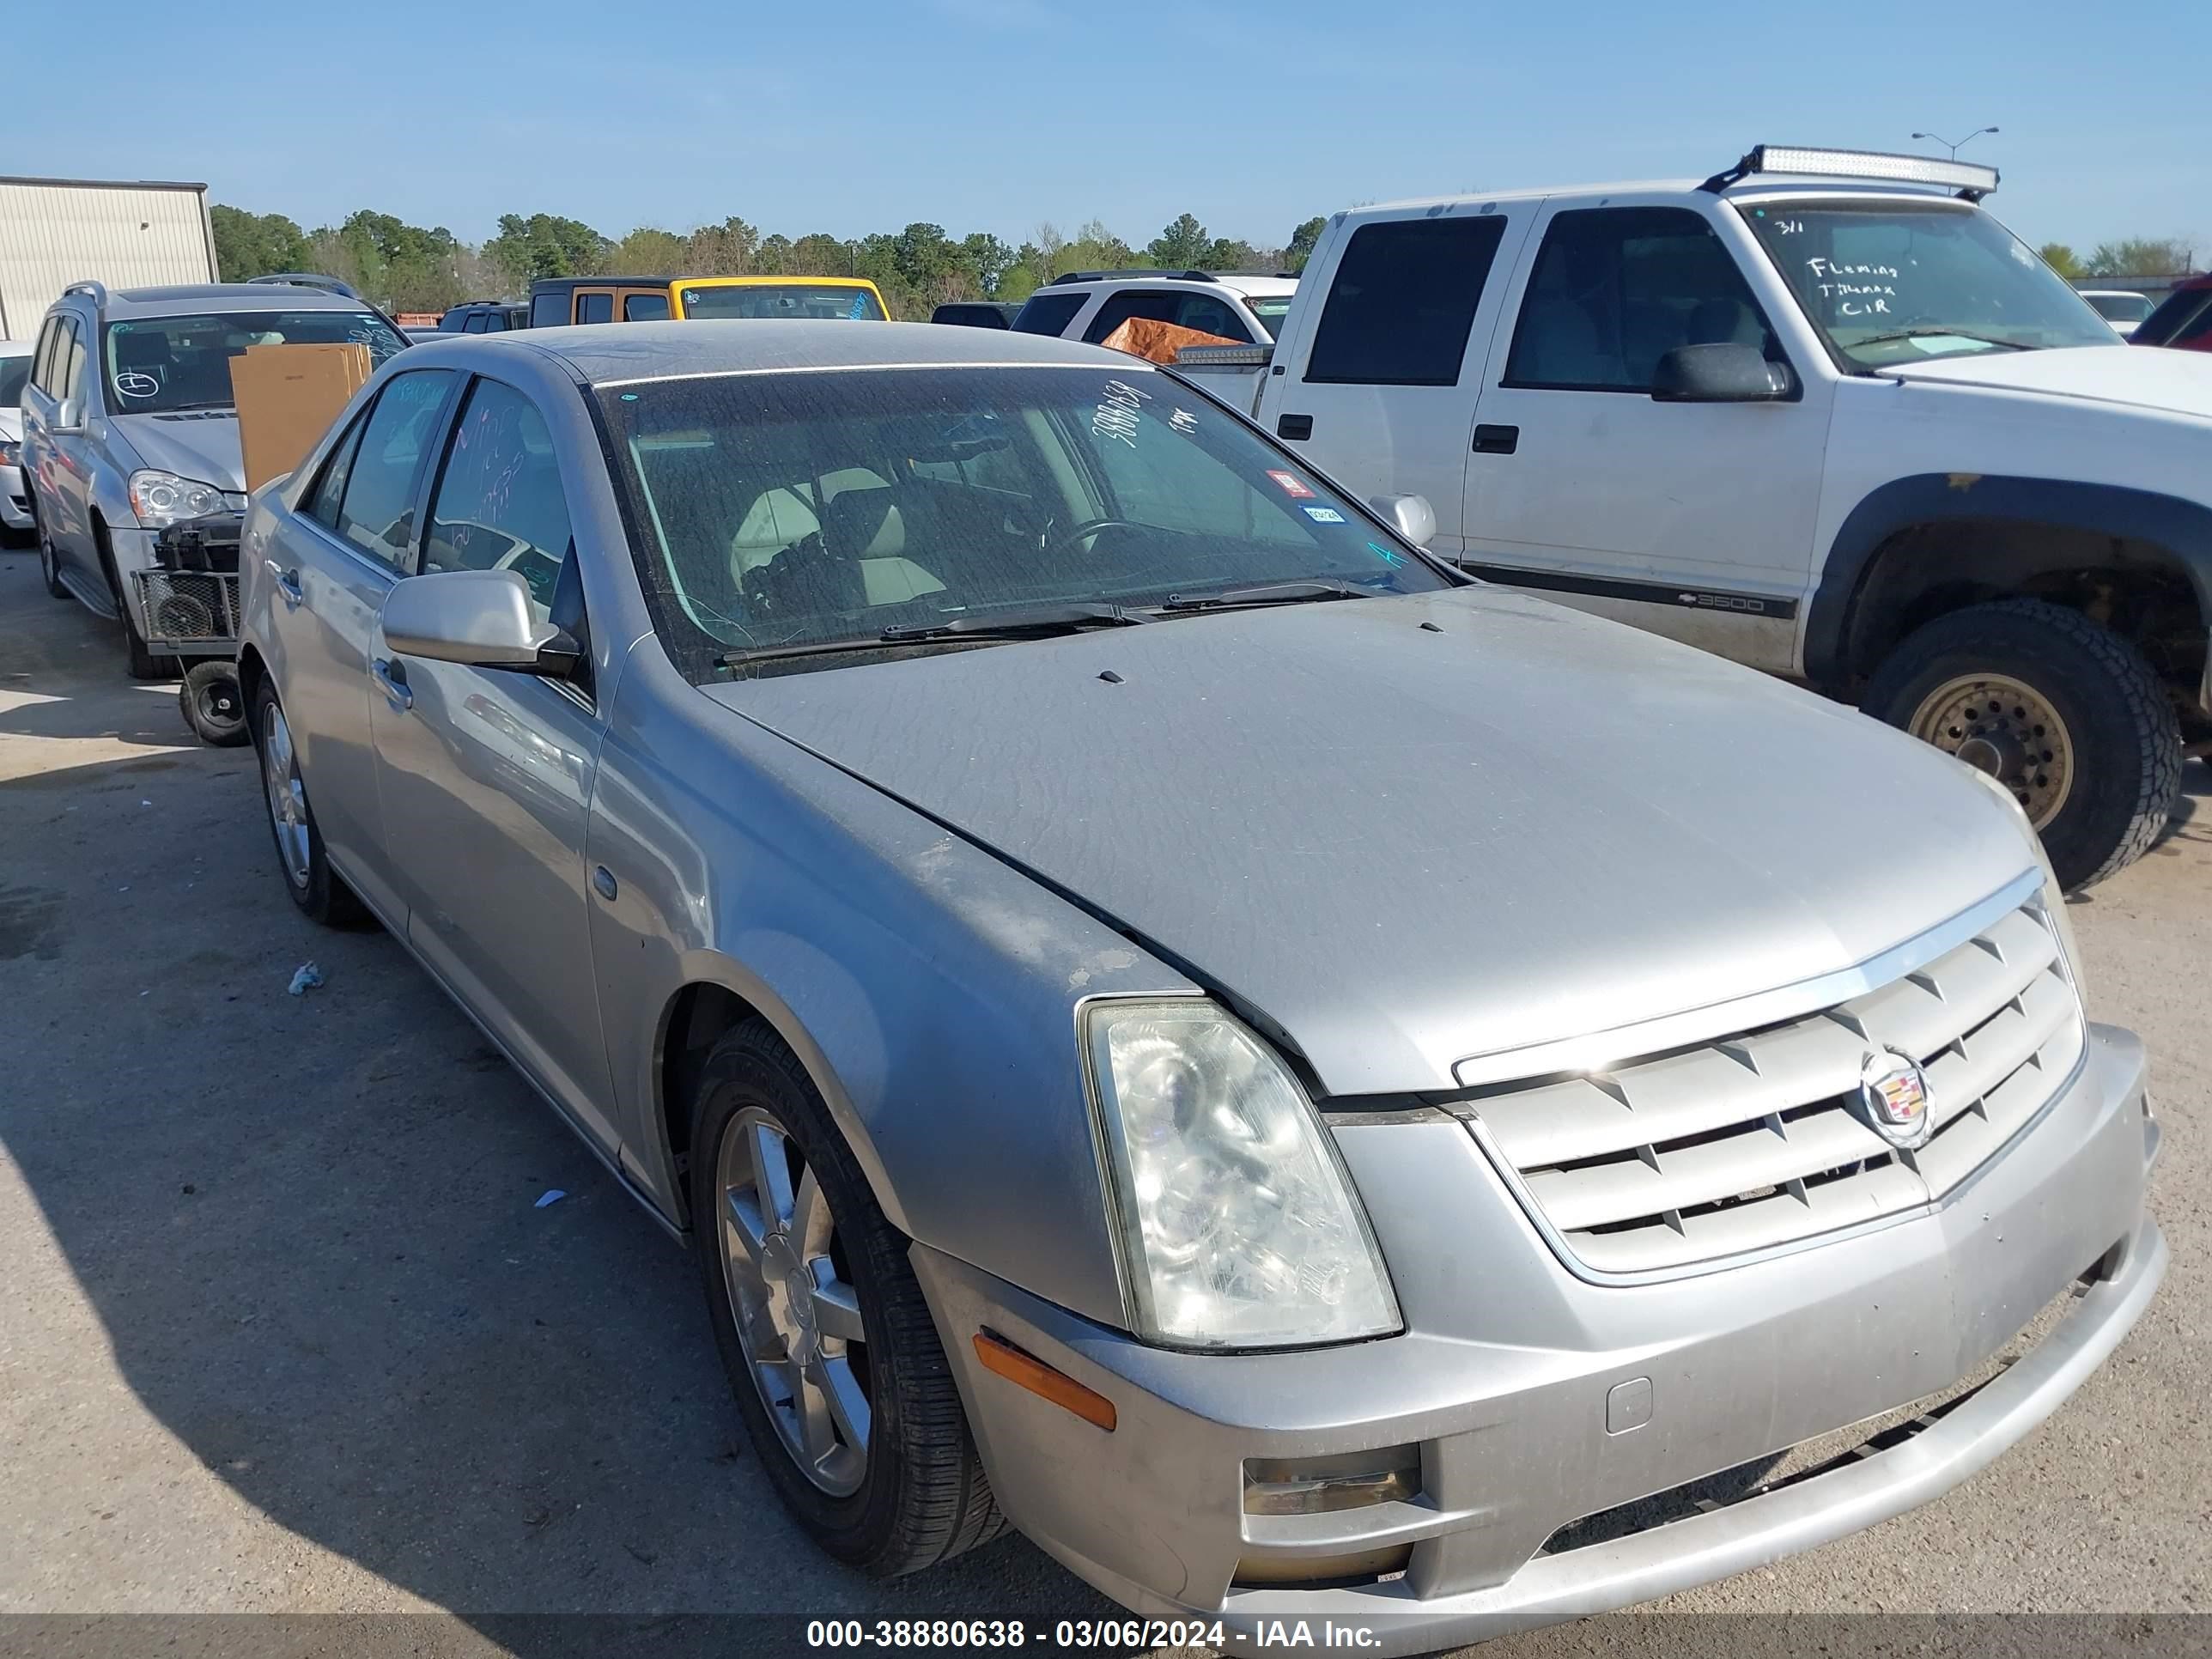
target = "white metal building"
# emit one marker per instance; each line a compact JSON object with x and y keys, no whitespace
{"x":54,"y":232}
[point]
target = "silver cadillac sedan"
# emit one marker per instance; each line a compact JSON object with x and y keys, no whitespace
{"x":1314,"y":1088}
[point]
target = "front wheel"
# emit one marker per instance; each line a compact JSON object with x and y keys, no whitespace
{"x":827,"y":1341}
{"x":2065,"y":713}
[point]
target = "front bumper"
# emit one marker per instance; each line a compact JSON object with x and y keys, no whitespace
{"x":14,"y":502}
{"x":183,"y":585}
{"x":1510,"y":1365}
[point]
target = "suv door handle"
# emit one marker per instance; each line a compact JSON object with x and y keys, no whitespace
{"x":391,"y":679}
{"x":288,"y":583}
{"x":1297,"y":428}
{"x":1496,"y":440}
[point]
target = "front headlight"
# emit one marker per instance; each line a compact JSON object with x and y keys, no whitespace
{"x":1237,"y":1226}
{"x":11,"y":453}
{"x":160,"y":499}
{"x":2053,"y":898}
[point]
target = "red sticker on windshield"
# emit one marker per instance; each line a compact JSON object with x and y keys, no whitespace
{"x":1291,"y":485}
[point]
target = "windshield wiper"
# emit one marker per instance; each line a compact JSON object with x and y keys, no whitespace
{"x":1930,"y":330}
{"x":1266,"y":593}
{"x":1041,"y":622}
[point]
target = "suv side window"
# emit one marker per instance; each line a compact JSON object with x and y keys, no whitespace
{"x":1049,"y":314}
{"x":549,"y":310}
{"x":377,"y":514}
{"x":1403,"y":299}
{"x":70,"y":363}
{"x":1207,"y":312}
{"x":42,"y":362}
{"x":1615,"y":289}
{"x":595,"y":308}
{"x":499,"y":504}
{"x":645,"y":307}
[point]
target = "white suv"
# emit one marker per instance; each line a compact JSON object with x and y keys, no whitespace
{"x":1089,"y":305}
{"x":1820,"y":413}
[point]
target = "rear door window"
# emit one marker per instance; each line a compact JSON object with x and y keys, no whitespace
{"x":645,"y":307}
{"x":1208,"y":314}
{"x":1049,"y":314}
{"x":598,"y":307}
{"x":549,"y":310}
{"x":322,"y":506}
{"x":1403,"y":299}
{"x":377,"y":514}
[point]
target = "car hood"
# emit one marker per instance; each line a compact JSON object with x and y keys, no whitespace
{"x":1402,"y":848}
{"x":194,"y":443}
{"x":2173,"y":382}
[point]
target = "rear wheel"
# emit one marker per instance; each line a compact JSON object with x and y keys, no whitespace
{"x":2065,"y":713}
{"x":828,"y":1344}
{"x":314,"y":886}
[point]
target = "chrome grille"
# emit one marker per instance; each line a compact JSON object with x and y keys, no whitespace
{"x":1667,"y":1162}
{"x":185,"y":607}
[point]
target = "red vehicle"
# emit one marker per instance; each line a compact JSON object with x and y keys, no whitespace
{"x":2183,"y":319}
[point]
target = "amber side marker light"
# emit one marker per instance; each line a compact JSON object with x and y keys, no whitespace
{"x":1027,"y":1372}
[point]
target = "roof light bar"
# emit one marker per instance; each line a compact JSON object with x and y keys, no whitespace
{"x":1970,"y":180}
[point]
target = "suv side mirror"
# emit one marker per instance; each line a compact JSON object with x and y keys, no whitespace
{"x":480,"y":618}
{"x":68,"y":418}
{"x":1411,"y":516}
{"x":1728,"y":372}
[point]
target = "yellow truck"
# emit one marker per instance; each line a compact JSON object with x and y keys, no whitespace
{"x":558,"y":300}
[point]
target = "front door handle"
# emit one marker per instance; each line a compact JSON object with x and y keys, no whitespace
{"x":288,"y":583}
{"x":391,"y":679}
{"x":1297,"y":428}
{"x":1496,"y":440}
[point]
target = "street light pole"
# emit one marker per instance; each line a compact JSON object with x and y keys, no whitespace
{"x":1955,"y":147}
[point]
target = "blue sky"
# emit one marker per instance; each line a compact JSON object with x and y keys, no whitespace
{"x":852,"y":115}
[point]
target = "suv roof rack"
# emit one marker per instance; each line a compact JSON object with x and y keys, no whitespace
{"x":1971,"y":181}
{"x":1110,"y":276}
{"x":308,"y":279}
{"x":95,"y":288}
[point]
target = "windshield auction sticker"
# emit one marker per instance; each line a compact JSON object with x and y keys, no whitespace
{"x":1291,"y":486}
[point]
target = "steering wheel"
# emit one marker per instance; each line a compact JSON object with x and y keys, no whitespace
{"x":1073,"y":533}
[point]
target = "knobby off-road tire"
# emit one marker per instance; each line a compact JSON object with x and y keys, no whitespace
{"x":922,"y":1497}
{"x":2117,"y":736}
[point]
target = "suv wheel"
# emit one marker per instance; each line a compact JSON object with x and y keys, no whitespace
{"x":2066,"y":715}
{"x":828,"y":1344}
{"x":143,"y":663}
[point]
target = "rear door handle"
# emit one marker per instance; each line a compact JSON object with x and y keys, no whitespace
{"x":391,"y":679}
{"x":1496,"y":440}
{"x":1297,"y":428}
{"x":288,"y":583}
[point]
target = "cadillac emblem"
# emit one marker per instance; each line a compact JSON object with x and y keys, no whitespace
{"x":1893,"y":1099}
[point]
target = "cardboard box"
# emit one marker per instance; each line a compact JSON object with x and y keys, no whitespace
{"x":287,"y":398}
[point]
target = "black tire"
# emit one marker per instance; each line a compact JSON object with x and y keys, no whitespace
{"x":142,"y":664}
{"x":50,"y":570}
{"x":319,"y":892}
{"x":924,"y":1497}
{"x":2125,"y":735}
{"x":213,"y":705}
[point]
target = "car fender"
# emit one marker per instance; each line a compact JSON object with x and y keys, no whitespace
{"x":2182,"y":527}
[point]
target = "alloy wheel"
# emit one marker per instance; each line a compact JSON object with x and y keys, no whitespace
{"x":288,"y":795}
{"x":796,"y":1312}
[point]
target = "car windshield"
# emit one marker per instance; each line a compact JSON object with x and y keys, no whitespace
{"x":826,"y":301}
{"x":2120,"y":307}
{"x":1270,"y":310}
{"x":14,"y":373}
{"x":1891,"y":282}
{"x":158,"y":364}
{"x":786,"y":510}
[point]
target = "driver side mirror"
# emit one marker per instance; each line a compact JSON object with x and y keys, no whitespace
{"x":479,"y":618}
{"x":1411,"y":516}
{"x":68,"y":418}
{"x":1728,"y":372}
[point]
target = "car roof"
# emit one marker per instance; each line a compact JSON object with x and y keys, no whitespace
{"x":606,"y":353}
{"x":767,"y":282}
{"x":190,"y":299}
{"x":552,"y":284}
{"x":17,"y":348}
{"x":1762,"y":185}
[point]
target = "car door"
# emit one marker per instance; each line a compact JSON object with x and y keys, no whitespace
{"x":1692,"y":519}
{"x":1381,"y":384}
{"x":55,"y":452}
{"x":485,"y":774}
{"x":331,"y":564}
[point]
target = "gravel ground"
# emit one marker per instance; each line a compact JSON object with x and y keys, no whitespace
{"x":283,"y":1331}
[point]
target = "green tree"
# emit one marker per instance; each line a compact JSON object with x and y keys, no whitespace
{"x":545,"y":245}
{"x":988,"y":259}
{"x":255,"y":244}
{"x":2140,"y":256}
{"x":2062,"y":259}
{"x":1095,"y":248}
{"x":397,"y":266}
{"x":729,"y":249}
{"x":646,"y":252}
{"x":925,"y":259}
{"x":1017,"y":282}
{"x":818,"y":253}
{"x":1302,"y":242}
{"x":773,"y":257}
{"x":1182,"y":244}
{"x":1226,"y":254}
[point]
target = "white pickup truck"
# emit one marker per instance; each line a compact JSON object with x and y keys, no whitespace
{"x":1820,"y":413}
